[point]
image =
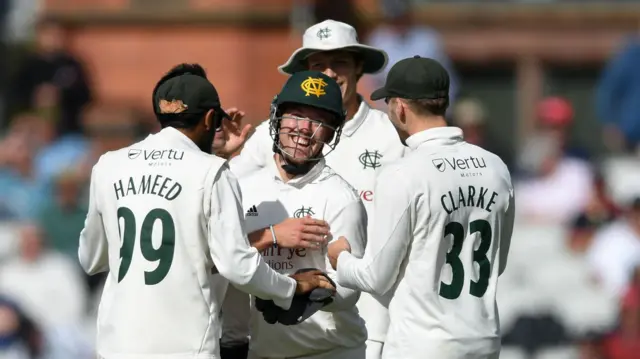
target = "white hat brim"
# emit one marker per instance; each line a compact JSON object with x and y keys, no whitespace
{"x":374,"y":60}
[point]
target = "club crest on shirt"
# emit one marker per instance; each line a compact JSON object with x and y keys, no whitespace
{"x":370,"y":159}
{"x":303,"y":212}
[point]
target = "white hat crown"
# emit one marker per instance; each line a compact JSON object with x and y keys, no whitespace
{"x":330,"y":34}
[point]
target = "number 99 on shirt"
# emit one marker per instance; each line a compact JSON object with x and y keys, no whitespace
{"x":163,"y":254}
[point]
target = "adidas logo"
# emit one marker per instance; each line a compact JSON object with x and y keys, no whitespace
{"x":253,"y":211}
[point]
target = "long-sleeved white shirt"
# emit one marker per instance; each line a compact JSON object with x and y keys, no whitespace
{"x":165,"y":219}
{"x":268,"y":200}
{"x":368,"y":143}
{"x":443,"y":219}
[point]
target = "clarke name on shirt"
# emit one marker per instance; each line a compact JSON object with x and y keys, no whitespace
{"x":468,"y":197}
{"x":157,"y":185}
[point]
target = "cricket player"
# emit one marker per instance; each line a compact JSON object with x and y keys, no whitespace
{"x":368,"y":140}
{"x":306,"y":116}
{"x":443,"y":222}
{"x":165,"y":219}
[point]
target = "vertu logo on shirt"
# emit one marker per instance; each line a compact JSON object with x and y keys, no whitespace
{"x":441,"y":164}
{"x":134,"y":153}
{"x":252,"y":211}
{"x":155,"y":155}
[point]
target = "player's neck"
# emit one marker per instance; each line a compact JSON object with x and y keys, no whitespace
{"x":426,"y":123}
{"x":352,"y":107}
{"x":191,"y":134}
{"x":284,"y":175}
{"x":187,"y":132}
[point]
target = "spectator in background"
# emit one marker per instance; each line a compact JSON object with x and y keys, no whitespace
{"x":617,"y":96}
{"x":401,"y":37}
{"x":22,"y":192}
{"x":601,"y":208}
{"x":558,"y":185}
{"x":616,"y":251}
{"x":470,"y":115}
{"x":20,"y":338}
{"x":337,"y":10}
{"x":4,"y":12}
{"x":63,"y":218}
{"x":624,"y":342}
{"x":46,"y":284}
{"x":53,"y":72}
{"x":108,"y":128}
{"x":582,"y":232}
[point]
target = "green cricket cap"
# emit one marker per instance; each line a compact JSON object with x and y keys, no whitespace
{"x":315,"y":89}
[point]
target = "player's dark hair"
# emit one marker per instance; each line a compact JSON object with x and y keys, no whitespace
{"x":429,"y":107}
{"x":179,"y":120}
{"x":358,"y":60}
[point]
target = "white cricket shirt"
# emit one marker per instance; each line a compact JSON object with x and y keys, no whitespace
{"x":368,"y":142}
{"x":443,"y":222}
{"x":163,"y":216}
{"x":321,"y":194}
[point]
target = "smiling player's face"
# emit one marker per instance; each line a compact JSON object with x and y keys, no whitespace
{"x":341,"y":66}
{"x":303,"y":132}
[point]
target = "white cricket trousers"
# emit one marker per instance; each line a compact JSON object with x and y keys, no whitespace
{"x":342,"y":353}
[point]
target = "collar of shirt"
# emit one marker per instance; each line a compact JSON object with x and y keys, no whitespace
{"x":352,"y":125}
{"x":178,"y":137}
{"x":439,"y":135}
{"x":298,"y":181}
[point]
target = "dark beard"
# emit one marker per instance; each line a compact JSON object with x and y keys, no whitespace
{"x":206,"y":144}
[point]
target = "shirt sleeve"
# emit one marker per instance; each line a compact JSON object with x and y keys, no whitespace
{"x":388,"y":241}
{"x":350,"y":222}
{"x":93,"y":250}
{"x":232,"y":255}
{"x":253,"y":155}
{"x":507,"y":232}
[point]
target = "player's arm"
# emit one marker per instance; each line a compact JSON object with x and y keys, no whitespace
{"x":93,"y":246}
{"x":292,"y":233}
{"x":232,"y":255}
{"x":507,"y":231}
{"x":351,"y":223}
{"x":252,"y":157}
{"x":388,"y":240}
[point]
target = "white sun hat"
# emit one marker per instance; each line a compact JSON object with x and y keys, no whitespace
{"x":332,"y":35}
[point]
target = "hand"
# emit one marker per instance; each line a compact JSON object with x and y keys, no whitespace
{"x":302,"y":233}
{"x":335,"y":248}
{"x":234,"y":134}
{"x":308,"y":281}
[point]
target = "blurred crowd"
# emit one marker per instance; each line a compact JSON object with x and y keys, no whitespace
{"x":572,"y":287}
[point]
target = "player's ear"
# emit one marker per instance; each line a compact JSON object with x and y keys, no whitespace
{"x":402,"y":110}
{"x":208,"y":120}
